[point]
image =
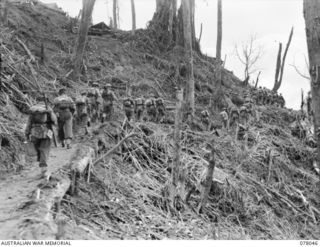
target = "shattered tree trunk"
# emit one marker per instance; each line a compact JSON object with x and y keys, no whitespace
{"x":86,"y":13}
{"x":206,"y":186}
{"x":4,"y":14}
{"x":177,"y":138}
{"x":133,"y":13}
{"x":281,"y":63}
{"x":311,"y":15}
{"x":115,"y":14}
{"x":187,"y":33}
{"x":219,"y":30}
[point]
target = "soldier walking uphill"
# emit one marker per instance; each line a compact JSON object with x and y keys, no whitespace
{"x":225,"y":117}
{"x":64,"y":107}
{"x":205,"y":120}
{"x":128,"y":107}
{"x":151,"y":109}
{"x":139,"y":108}
{"x":108,"y":98}
{"x":161,"y":109}
{"x":39,"y":131}
{"x":95,"y":102}
{"x":234,"y":118}
{"x":82,"y":121}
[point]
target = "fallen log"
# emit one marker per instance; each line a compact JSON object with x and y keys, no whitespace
{"x":26,"y":49}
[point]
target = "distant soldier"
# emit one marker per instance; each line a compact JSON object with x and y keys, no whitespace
{"x":234,"y":117}
{"x":151,"y":109}
{"x":244,"y":116}
{"x":108,"y":97}
{"x":225,"y":117}
{"x":260,"y":96}
{"x":64,"y":107}
{"x":39,"y":131}
{"x":128,"y":107}
{"x":205,"y":120}
{"x":139,"y":108}
{"x":161,"y":109}
{"x":82,"y":120}
{"x":95,"y":102}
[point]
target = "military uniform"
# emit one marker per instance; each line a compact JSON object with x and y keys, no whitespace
{"x":108,"y":97}
{"x":282,"y":101}
{"x":39,"y":131}
{"x":151,"y":109}
{"x":234,"y":117}
{"x":225,"y":118}
{"x":244,"y":118}
{"x":309,"y":104}
{"x":65,"y":108}
{"x":82,"y":120}
{"x":95,"y":102}
{"x":139,"y":108}
{"x":161,"y":110}
{"x":205,"y":119}
{"x":128,"y":107}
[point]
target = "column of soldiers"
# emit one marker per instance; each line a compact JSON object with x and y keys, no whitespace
{"x":264,"y":96}
{"x":68,"y":116}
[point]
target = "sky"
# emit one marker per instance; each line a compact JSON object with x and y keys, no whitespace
{"x":270,"y":21}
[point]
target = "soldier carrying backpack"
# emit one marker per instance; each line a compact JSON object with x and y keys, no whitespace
{"x":151,"y":109}
{"x":39,"y":131}
{"x":128,"y":107}
{"x":139,"y":108}
{"x":205,"y":119}
{"x":108,"y":98}
{"x":64,"y":107}
{"x":81,"y":116}
{"x":161,"y":109}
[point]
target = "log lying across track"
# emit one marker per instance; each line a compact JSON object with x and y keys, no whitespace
{"x":38,"y":216}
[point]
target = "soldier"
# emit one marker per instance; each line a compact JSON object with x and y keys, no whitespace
{"x":151,"y":109}
{"x":108,"y":97}
{"x":139,"y":108}
{"x":225,"y":117}
{"x":205,"y":120}
{"x":39,"y":131}
{"x":260,"y":96}
{"x":64,"y":107}
{"x":243,"y":118}
{"x":234,"y":117}
{"x":128,"y":107}
{"x":95,"y":102}
{"x":81,"y":117}
{"x":161,"y":109}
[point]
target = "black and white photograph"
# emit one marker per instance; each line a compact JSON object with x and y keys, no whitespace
{"x":159,"y":120}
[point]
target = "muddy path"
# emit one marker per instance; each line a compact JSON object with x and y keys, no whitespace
{"x":22,"y":214}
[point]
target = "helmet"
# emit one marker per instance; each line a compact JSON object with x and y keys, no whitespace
{"x":95,"y":84}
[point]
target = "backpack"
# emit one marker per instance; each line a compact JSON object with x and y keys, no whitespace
{"x":149,"y":102}
{"x":128,"y":103}
{"x":39,"y":114}
{"x":64,"y":102}
{"x":80,"y":100}
{"x":159,"y":102}
{"x":139,"y":102}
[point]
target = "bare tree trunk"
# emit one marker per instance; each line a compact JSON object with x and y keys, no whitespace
{"x":87,"y":8}
{"x":278,"y":79}
{"x":177,"y":138}
{"x":133,"y":11}
{"x":4,"y":15}
{"x":206,"y":186}
{"x":257,"y":80}
{"x":311,"y":15}
{"x":115,"y":14}
{"x":219,"y":34}
{"x":187,"y":33}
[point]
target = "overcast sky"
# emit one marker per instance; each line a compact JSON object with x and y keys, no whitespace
{"x":269,"y":20}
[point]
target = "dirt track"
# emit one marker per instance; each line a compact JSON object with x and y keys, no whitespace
{"x":17,"y":196}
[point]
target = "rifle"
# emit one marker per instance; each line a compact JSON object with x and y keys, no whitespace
{"x":54,"y":137}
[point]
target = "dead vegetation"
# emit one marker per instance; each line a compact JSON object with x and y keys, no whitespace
{"x":264,"y":186}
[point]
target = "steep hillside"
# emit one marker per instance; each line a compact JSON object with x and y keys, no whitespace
{"x":264,"y":184}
